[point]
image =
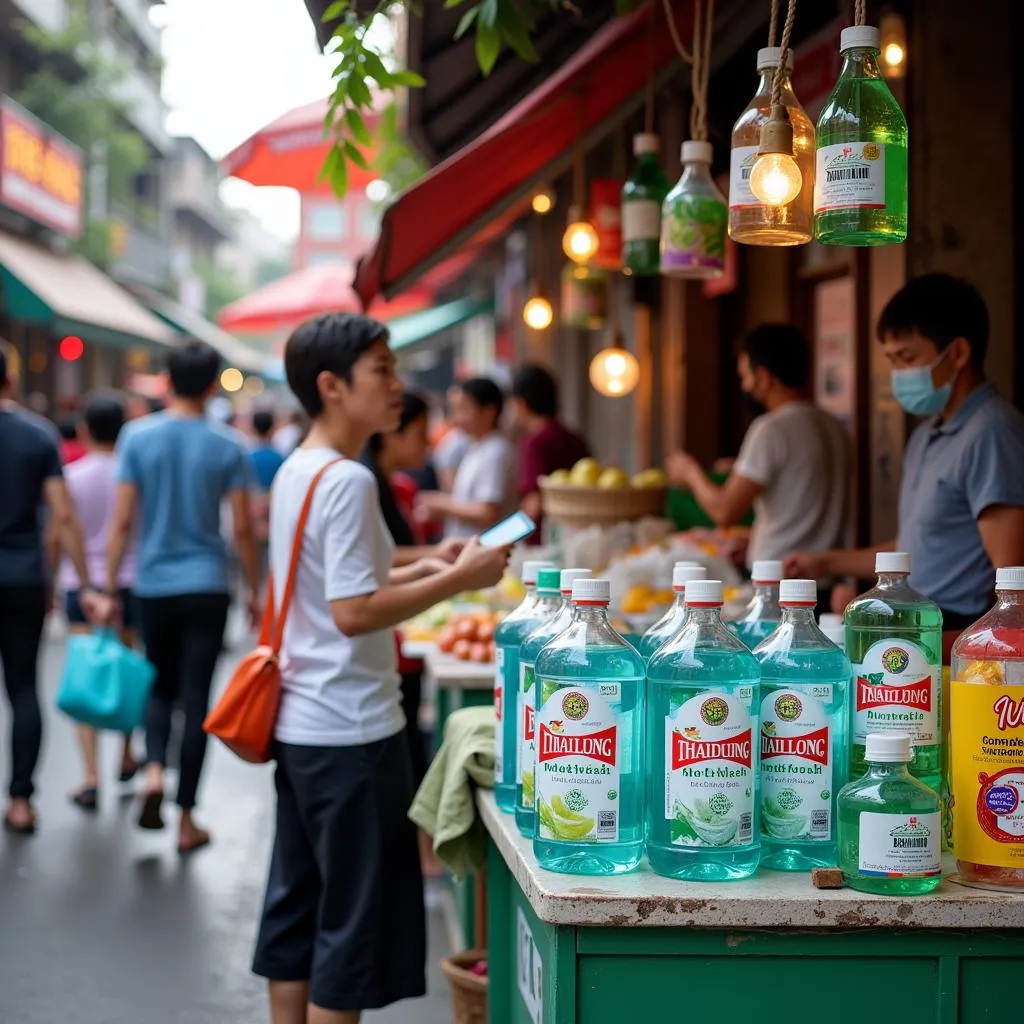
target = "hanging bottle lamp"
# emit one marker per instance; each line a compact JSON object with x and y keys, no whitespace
{"x":860,"y":195}
{"x":537,"y":311}
{"x":694,"y":215}
{"x":614,"y":371}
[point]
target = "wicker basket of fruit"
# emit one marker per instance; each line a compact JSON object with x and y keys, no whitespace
{"x":590,"y":495}
{"x":467,"y":976}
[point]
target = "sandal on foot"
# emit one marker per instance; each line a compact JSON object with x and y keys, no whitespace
{"x":201,"y":840}
{"x":150,"y":817}
{"x":87,"y":798}
{"x":128,"y":773}
{"x":22,"y":828}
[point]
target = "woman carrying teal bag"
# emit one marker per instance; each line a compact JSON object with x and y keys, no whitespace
{"x":105,"y":684}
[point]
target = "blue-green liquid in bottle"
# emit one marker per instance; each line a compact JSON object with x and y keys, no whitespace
{"x":761,"y":617}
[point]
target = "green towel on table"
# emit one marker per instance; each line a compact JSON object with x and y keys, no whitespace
{"x":444,"y":807}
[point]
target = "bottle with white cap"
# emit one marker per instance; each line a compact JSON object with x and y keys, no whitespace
{"x":514,"y":628}
{"x":860,"y":195}
{"x":750,"y":220}
{"x":805,"y":688}
{"x":642,"y":195}
{"x":589,"y":774}
{"x":672,"y":621}
{"x":894,"y":640}
{"x":832,"y":626}
{"x":890,"y":824}
{"x":987,"y":701}
{"x":703,"y":700}
{"x":556,"y":617}
{"x":693,"y":219}
{"x":763,"y":613}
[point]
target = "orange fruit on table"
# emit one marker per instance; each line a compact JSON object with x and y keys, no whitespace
{"x":463,"y":649}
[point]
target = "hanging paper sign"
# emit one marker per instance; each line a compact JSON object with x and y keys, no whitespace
{"x":606,"y":216}
{"x":584,"y":298}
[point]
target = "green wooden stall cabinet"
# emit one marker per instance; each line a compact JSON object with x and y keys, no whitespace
{"x":770,"y":950}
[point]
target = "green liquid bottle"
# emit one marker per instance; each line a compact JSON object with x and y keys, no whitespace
{"x":642,"y":195}
{"x":860,"y":184}
{"x":890,"y":825}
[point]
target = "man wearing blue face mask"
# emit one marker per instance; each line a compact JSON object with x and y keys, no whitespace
{"x":961,"y":508}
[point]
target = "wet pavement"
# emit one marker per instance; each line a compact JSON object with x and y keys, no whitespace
{"x":103,"y":924}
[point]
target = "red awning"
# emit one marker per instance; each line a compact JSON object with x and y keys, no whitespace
{"x":457,"y":199}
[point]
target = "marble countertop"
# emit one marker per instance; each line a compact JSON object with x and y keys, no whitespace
{"x":771,"y":899}
{"x":458,"y":675}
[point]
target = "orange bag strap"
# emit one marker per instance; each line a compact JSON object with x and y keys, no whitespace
{"x":272,"y":634}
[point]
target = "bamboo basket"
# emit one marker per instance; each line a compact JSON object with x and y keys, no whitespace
{"x":469,"y":990}
{"x":581,"y":507}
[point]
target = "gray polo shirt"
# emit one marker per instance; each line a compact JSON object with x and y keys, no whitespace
{"x":952,"y":472}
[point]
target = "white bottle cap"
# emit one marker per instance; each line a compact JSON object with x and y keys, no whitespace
{"x":798,"y":592}
{"x":766,"y":572}
{"x":531,"y":568}
{"x":697,"y":152}
{"x":704,"y":592}
{"x":860,"y":37}
{"x":768,"y":57}
{"x":683,"y":572}
{"x":892,"y":561}
{"x":646,"y":142}
{"x":591,"y":591}
{"x":888,"y":747}
{"x":1011,"y":578}
{"x":832,"y":626}
{"x":570,"y":576}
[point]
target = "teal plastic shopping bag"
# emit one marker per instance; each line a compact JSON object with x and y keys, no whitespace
{"x":105,"y":684}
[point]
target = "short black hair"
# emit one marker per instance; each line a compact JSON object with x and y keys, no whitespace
{"x":781,"y":350}
{"x":263,"y":423}
{"x":104,"y":417}
{"x":484,"y":392}
{"x":67,"y":427}
{"x":414,"y":408}
{"x":537,"y":389}
{"x":332,"y":341}
{"x":193,"y":369}
{"x":941,"y":308}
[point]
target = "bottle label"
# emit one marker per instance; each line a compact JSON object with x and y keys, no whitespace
{"x":850,"y":176}
{"x":526,"y":747}
{"x":987,"y":764}
{"x":693,"y":232}
{"x":900,"y":845}
{"x":741,"y":162}
{"x":641,"y":220}
{"x":709,"y":773}
{"x":578,"y":764}
{"x":897,"y":691}
{"x":796,"y":766}
{"x":499,"y":714}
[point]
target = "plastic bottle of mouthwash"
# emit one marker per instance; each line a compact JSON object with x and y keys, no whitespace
{"x":832,"y":626}
{"x":703,"y":699}
{"x":558,"y":612}
{"x":590,"y":714}
{"x":672,"y":621}
{"x":762,"y":614}
{"x":805,"y":686}
{"x":894,"y":640}
{"x":507,"y":638}
{"x":890,"y":824}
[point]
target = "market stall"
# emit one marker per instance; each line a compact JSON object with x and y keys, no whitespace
{"x":566,"y":948}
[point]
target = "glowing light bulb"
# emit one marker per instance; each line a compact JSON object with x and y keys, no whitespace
{"x":543,"y":201}
{"x":580,"y":241}
{"x":893,"y":55}
{"x":614,"y":372}
{"x":231,"y":380}
{"x":537,"y":313}
{"x":775,"y":179}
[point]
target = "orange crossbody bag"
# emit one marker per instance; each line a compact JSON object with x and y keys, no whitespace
{"x":243,"y":718}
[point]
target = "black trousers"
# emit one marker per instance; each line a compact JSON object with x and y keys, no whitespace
{"x":22,"y":614}
{"x":412,"y":695}
{"x":183,"y":636}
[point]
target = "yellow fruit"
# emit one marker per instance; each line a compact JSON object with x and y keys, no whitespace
{"x":650,"y":479}
{"x":587,"y":466}
{"x":560,"y":477}
{"x":585,"y":474}
{"x":613,"y":480}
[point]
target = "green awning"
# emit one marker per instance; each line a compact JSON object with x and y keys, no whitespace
{"x":418,"y":327}
{"x":194,"y":325}
{"x":70,"y":296}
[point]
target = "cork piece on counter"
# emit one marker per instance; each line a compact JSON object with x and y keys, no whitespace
{"x":827,"y":878}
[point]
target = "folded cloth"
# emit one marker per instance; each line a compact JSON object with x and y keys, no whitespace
{"x":444,"y":806}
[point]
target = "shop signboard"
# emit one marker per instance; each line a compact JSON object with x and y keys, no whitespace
{"x":41,"y":172}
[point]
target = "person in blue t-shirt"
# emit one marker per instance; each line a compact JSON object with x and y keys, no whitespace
{"x":175,"y":470}
{"x":265,"y":458}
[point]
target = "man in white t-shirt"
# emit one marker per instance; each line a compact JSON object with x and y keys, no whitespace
{"x":794,"y":463}
{"x":343,"y":926}
{"x":484,"y":488}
